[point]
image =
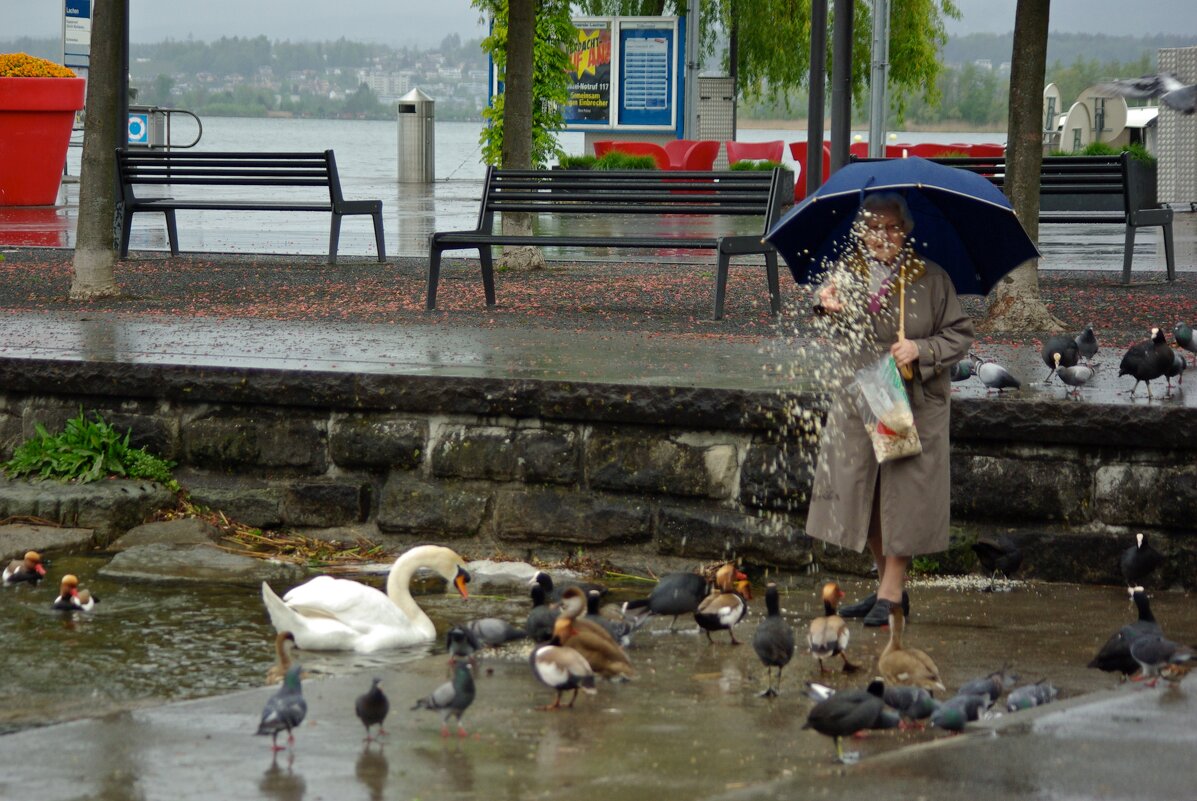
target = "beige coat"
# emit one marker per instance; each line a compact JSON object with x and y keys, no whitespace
{"x":915,"y":491}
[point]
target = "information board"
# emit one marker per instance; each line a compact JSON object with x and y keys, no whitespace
{"x":646,"y":76}
{"x":76,"y":34}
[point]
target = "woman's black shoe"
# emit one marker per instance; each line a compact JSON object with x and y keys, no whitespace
{"x":879,"y":614}
{"x":860,"y":608}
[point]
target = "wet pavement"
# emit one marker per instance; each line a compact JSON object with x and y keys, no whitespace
{"x":691,"y":723}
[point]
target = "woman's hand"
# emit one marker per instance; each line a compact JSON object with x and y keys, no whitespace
{"x":829,"y":299}
{"x":904,"y":352}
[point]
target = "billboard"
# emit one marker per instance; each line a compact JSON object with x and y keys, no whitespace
{"x":590,"y":66}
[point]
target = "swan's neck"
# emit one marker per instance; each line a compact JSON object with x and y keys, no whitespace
{"x":398,"y":587}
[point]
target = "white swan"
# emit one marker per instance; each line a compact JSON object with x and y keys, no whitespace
{"x":329,"y":614}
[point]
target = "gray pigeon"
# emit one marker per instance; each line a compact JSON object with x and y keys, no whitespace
{"x":989,"y":687}
{"x":1066,"y":347}
{"x":1183,"y":334}
{"x":1153,"y":652}
{"x":1177,"y":370}
{"x":494,"y":631}
{"x":1164,"y":85}
{"x":994,"y":376}
{"x":914,"y":703}
{"x":1031,"y":695}
{"x":372,"y":707}
{"x":955,"y":712}
{"x":462,"y":645}
{"x":284,"y":710}
{"x":1076,"y":377}
{"x":1086,"y":343}
{"x":452,"y":698}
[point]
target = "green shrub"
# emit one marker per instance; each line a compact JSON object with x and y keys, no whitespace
{"x":584,"y":162}
{"x":753,"y":164}
{"x":618,"y":160}
{"x":1136,"y":150}
{"x":85,"y":451}
{"x":953,"y":154}
{"x":1099,"y":149}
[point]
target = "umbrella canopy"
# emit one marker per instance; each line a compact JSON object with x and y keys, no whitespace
{"x":962,"y":222}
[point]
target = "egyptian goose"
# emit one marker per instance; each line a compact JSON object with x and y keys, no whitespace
{"x":284,"y":641}
{"x":372,"y":707}
{"x":675,"y":594}
{"x":588,"y":638}
{"x":72,"y":597}
{"x":724,"y":607}
{"x":773,"y":641}
{"x":30,"y":569}
{"x":901,"y":665}
{"x":452,"y":698}
{"x":561,"y":668}
{"x":330,"y":614}
{"x":828,"y":635}
{"x":284,"y":710}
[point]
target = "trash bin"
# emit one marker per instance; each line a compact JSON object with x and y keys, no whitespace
{"x":417,"y":136}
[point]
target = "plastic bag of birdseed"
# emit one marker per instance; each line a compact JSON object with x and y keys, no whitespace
{"x":885,"y":410}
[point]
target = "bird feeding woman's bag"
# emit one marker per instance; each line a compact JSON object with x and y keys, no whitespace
{"x":885,"y":410}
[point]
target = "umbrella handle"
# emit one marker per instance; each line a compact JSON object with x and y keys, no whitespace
{"x":906,"y":370}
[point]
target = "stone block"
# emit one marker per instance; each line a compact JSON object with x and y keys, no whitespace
{"x":555,"y":514}
{"x":498,"y":453}
{"x":1147,"y":495}
{"x":410,"y":505}
{"x":17,"y":538}
{"x":240,"y":498}
{"x":110,"y":508}
{"x":182,"y":531}
{"x":323,"y":503}
{"x":378,"y":441}
{"x":711,"y":532}
{"x":232,"y":437}
{"x":647,"y":461}
{"x":11,"y":433}
{"x":777,"y":475}
{"x":197,"y":563}
{"x":986,"y":487}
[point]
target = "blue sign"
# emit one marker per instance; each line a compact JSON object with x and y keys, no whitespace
{"x":139,"y":129}
{"x":646,"y":71}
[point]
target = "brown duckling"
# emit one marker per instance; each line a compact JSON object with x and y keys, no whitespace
{"x":901,"y":665}
{"x":590,"y":639}
{"x":724,"y":606}
{"x":284,"y":641}
{"x":828,"y":635}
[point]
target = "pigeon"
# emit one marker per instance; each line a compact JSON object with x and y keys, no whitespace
{"x":1153,"y":653}
{"x":1086,"y":343}
{"x":998,"y":554}
{"x":620,"y":630}
{"x":1164,"y":85}
{"x":461,"y":645}
{"x":913,"y":703}
{"x":1064,"y":345}
{"x":845,"y":713}
{"x":962,"y":370}
{"x":989,"y":687}
{"x":1177,"y":370}
{"x":1115,"y":655}
{"x":493,"y":631}
{"x":954,"y":713}
{"x":28,"y":569}
{"x":1183,"y":334}
{"x":284,"y":710}
{"x":1031,"y":695}
{"x":452,"y":698}
{"x":1147,"y":360}
{"x":1139,"y":561}
{"x":372,"y":707}
{"x":994,"y":376}
{"x":1076,"y":377}
{"x":773,"y":641}
{"x":539,"y":624}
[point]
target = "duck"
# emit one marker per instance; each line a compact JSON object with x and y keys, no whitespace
{"x":1076,"y":377}
{"x":539,"y":625}
{"x":998,"y":554}
{"x":1115,"y":656}
{"x":1182,"y":333}
{"x":844,"y":713}
{"x":1086,"y":344}
{"x":588,"y":638}
{"x":1139,"y":561}
{"x":72,"y":597}
{"x":1154,"y":652}
{"x":1066,"y":346}
{"x":283,"y":642}
{"x":561,"y":668}
{"x":676,"y":594}
{"x":284,"y":710}
{"x":994,"y":376}
{"x":1147,"y":360}
{"x":773,"y":641}
{"x":330,"y":614}
{"x":452,"y":698}
{"x":26,"y":570}
{"x":901,"y":665}
{"x":553,"y":591}
{"x":828,"y":635}
{"x":724,"y":606}
{"x":371,"y":708}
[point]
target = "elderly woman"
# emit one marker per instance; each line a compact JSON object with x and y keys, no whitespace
{"x":900,"y":508}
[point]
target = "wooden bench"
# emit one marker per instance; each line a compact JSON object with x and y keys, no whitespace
{"x":275,"y":171}
{"x":643,"y":198}
{"x":1090,"y":189}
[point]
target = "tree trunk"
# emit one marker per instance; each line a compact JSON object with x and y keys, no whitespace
{"x":95,"y":242}
{"x":517,"y":122}
{"x":1015,"y":304}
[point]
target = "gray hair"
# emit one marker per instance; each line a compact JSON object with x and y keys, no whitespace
{"x":890,"y":202}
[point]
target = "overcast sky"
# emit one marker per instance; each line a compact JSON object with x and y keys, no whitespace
{"x":426,"y":22}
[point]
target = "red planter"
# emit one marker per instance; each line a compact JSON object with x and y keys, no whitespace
{"x":36,"y":115}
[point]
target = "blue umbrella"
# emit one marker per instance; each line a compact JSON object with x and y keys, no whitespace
{"x":962,"y":222}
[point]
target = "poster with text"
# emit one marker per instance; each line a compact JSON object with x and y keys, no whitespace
{"x":590,"y":75}
{"x":646,"y":59}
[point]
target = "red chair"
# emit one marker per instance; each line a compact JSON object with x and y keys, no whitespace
{"x":987,"y":150}
{"x":755,"y":151}
{"x":602,"y":148}
{"x":677,"y":150}
{"x":701,"y":156}
{"x":798,"y":151}
{"x":928,"y":150}
{"x":898,"y":151}
{"x":859,"y":149}
{"x":643,"y":149}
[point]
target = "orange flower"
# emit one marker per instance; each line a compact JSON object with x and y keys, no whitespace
{"x":23,"y":65}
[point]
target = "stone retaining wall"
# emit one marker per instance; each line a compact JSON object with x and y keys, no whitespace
{"x":524,"y":464}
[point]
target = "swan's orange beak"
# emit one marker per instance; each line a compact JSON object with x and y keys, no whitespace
{"x":460,"y":580}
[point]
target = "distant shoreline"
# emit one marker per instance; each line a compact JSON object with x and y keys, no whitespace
{"x":799,"y":124}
